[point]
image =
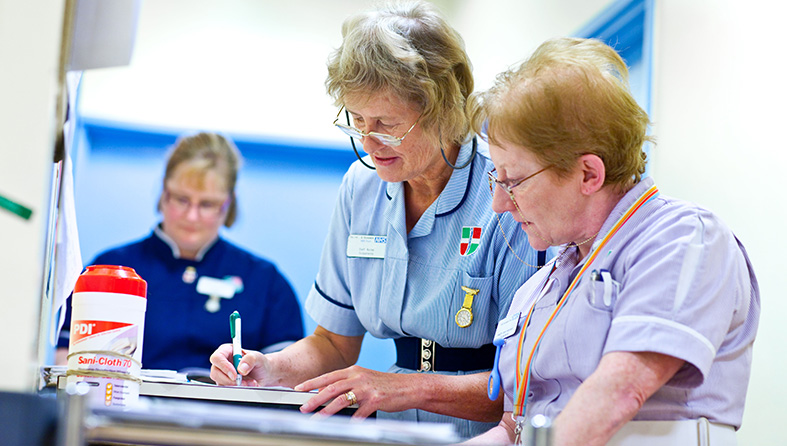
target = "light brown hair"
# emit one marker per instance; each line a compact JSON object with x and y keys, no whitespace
{"x":409,"y":49}
{"x":207,"y":152}
{"x":571,"y":97}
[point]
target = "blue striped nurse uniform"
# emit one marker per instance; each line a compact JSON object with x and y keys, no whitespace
{"x":415,"y":289}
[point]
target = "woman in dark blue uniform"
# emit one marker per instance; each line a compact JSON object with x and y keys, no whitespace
{"x":196,"y":278}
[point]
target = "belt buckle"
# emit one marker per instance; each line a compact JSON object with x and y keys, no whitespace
{"x":427,"y":355}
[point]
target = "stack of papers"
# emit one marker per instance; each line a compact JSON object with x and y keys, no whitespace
{"x":159,"y":414}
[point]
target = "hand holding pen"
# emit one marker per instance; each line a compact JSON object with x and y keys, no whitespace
{"x":231,"y":365}
{"x":237,"y":352}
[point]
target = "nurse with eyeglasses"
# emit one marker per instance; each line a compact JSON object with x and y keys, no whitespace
{"x":195,"y":277}
{"x":640,"y":331}
{"x":414,"y":252}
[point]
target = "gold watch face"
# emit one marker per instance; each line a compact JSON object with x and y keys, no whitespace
{"x":464,"y":318}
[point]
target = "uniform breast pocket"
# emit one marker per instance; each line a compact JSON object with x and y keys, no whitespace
{"x":589,"y":318}
{"x":603,"y":290}
{"x":473,"y":312}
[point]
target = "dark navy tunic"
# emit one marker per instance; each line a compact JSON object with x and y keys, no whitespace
{"x":179,"y":331}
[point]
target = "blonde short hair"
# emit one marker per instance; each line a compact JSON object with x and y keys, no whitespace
{"x":207,"y":152}
{"x":409,"y":49}
{"x":571,"y":97}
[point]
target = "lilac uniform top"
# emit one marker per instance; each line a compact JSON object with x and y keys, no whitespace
{"x":679,"y":283}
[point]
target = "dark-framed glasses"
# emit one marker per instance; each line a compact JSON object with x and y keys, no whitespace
{"x":205,"y":208}
{"x":388,"y":140}
{"x":509,"y":185}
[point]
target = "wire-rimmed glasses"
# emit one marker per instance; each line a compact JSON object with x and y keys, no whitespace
{"x":505,"y":186}
{"x":388,"y":140}
{"x":509,"y":185}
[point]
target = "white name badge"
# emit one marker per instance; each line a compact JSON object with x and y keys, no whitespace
{"x":366,"y":246}
{"x":507,"y":326}
{"x":210,"y":286}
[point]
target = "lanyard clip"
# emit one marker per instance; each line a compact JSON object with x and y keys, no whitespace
{"x":520,"y":422}
{"x":536,"y":432}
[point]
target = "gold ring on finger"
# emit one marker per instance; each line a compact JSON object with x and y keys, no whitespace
{"x":351,"y":398}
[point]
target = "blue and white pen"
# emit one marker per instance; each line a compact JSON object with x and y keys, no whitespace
{"x":236,"y":349}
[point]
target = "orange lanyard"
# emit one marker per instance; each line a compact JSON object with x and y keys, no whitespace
{"x":520,"y":401}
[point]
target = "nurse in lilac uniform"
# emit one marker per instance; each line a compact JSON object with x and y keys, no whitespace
{"x":645,"y":320}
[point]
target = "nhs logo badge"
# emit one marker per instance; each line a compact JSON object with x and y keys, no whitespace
{"x":366,"y":246}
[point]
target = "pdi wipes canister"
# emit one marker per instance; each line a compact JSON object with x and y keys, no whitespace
{"x":107,"y":327}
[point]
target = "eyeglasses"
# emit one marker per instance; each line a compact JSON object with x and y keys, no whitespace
{"x":505,"y":184}
{"x":388,"y":140}
{"x":205,"y":208}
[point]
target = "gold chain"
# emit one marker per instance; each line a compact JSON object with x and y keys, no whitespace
{"x":569,"y":245}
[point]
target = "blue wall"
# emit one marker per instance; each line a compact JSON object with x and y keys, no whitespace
{"x":627,"y":26}
{"x":286,"y":193}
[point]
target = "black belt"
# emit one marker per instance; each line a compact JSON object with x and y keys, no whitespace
{"x":424,"y":355}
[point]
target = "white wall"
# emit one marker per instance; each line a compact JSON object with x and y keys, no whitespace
{"x":719,"y":117}
{"x":258,"y":67}
{"x":29,"y":54}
